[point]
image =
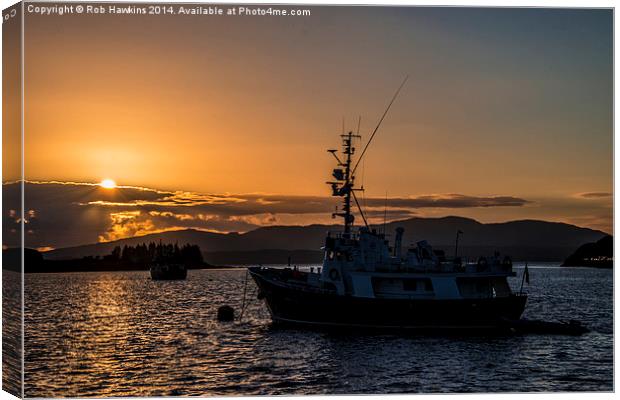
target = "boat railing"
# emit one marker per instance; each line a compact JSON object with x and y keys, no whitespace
{"x":343,"y":235}
{"x":355,"y":234}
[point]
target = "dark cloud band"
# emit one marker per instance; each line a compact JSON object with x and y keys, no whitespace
{"x":73,"y":213}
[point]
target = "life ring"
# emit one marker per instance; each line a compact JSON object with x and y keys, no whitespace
{"x":334,"y":275}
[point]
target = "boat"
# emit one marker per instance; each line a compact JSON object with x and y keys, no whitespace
{"x":167,"y":271}
{"x":525,"y":326}
{"x":367,"y":282}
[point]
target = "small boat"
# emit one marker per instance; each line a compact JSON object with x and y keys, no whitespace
{"x":165,"y":271}
{"x":526,"y":326}
{"x":367,"y":282}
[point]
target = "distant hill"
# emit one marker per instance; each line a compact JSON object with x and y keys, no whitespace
{"x":599,"y":254}
{"x":523,"y":240}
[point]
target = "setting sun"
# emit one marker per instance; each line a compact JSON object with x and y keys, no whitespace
{"x":107,"y":184}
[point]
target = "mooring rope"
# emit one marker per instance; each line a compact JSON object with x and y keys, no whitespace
{"x":245,"y":287}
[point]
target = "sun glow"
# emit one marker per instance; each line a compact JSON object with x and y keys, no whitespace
{"x":107,"y":184}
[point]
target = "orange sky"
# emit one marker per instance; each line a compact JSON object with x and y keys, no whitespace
{"x":499,"y":102}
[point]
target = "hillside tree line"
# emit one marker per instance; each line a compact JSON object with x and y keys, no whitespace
{"x":143,"y":253}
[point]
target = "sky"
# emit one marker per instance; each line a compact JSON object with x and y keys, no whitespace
{"x":508,"y":111}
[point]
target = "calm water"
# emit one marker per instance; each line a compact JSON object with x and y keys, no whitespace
{"x":121,"y":334}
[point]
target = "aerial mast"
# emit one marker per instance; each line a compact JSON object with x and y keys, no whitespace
{"x":344,"y":175}
{"x":344,"y":179}
{"x":349,"y":179}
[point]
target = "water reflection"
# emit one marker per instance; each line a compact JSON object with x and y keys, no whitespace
{"x":121,"y":334}
{"x":12,"y":332}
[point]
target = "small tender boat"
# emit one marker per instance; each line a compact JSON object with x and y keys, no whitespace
{"x":161,"y":271}
{"x":571,"y":327}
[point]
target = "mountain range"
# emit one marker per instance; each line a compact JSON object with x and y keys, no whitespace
{"x":523,"y":240}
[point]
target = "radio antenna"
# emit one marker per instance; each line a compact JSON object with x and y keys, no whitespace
{"x":379,"y":124}
{"x":385,"y":213}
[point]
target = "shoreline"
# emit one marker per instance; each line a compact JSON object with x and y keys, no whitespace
{"x":548,"y":264}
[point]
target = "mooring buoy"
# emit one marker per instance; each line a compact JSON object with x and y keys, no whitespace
{"x":225,"y":313}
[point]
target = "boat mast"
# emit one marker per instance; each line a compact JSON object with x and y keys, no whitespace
{"x":343,"y":186}
{"x":349,"y":178}
{"x":345,"y":175}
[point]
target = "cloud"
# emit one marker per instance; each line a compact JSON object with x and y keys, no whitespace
{"x":62,"y":214}
{"x":595,"y":195}
{"x":127,"y":224}
{"x":376,"y":215}
{"x":249,"y":204}
{"x":449,"y":201}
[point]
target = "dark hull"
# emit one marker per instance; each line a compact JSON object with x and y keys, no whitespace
{"x":296,"y":306}
{"x":173,"y":274}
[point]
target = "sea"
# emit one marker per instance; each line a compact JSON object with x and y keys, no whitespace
{"x":103,"y":334}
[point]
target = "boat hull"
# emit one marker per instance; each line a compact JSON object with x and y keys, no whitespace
{"x":294,"y":305}
{"x":158,"y":274}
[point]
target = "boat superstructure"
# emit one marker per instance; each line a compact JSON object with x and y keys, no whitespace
{"x":365,"y":281}
{"x":167,"y":271}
